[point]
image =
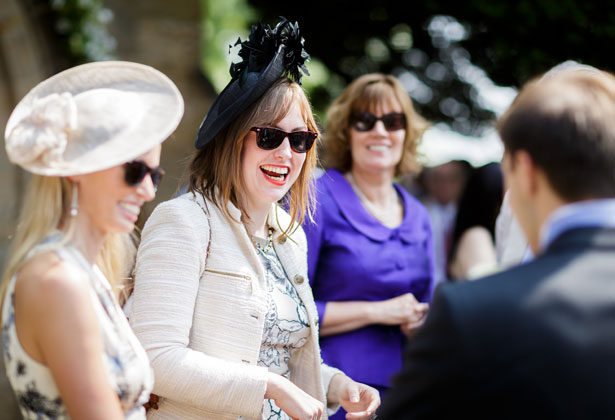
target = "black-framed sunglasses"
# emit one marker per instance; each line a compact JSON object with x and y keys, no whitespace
{"x":269,"y":138}
{"x":136,"y":170}
{"x":365,"y":121}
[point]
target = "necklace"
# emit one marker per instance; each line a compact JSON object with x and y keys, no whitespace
{"x":267,"y":247}
{"x":390,"y":216}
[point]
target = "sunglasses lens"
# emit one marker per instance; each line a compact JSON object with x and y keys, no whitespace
{"x":156,"y":175}
{"x":363,"y":121}
{"x":302,"y":141}
{"x":270,"y":138}
{"x":394,"y":121}
{"x":135,"y":172}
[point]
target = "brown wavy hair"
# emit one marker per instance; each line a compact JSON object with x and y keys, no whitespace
{"x":365,"y":94}
{"x":215,"y":171}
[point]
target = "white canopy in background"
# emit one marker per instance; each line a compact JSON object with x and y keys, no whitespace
{"x":440,"y":145}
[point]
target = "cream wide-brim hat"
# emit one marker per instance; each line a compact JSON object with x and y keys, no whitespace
{"x":92,"y":117}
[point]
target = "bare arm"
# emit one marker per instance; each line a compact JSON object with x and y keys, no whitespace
{"x":342,"y":317}
{"x":57,"y":326}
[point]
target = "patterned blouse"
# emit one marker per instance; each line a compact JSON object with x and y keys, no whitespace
{"x":286,"y":325}
{"x":125,"y":360}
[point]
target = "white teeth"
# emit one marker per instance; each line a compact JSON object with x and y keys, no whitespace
{"x":131,"y":208}
{"x":275,"y":169}
{"x":277,"y":178}
{"x":379,"y":147}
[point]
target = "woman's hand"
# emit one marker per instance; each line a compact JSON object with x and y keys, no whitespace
{"x":359,"y":400}
{"x":293,"y":400}
{"x":411,"y":328}
{"x":401,"y":310}
{"x":341,"y":317}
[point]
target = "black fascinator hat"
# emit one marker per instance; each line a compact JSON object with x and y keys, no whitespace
{"x":267,"y":55}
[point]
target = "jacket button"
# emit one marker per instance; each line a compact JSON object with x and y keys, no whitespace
{"x":298,"y":279}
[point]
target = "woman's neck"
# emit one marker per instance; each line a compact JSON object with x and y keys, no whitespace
{"x":256,"y":220}
{"x":87,"y":238}
{"x":376,"y":186}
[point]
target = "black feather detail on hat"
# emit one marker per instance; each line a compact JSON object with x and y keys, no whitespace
{"x":266,"y":55}
{"x":263,"y":43}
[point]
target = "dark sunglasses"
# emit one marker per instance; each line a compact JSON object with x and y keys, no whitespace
{"x":268,"y":138}
{"x":365,"y":121}
{"x":135,"y":172}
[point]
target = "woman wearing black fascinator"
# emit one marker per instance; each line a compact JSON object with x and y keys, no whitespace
{"x":222,"y":303}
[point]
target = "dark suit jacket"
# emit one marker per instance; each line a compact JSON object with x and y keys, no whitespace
{"x":536,"y":341}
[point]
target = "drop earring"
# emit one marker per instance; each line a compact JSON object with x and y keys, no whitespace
{"x":74,"y":205}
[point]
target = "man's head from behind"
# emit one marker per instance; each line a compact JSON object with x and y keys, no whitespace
{"x":559,"y":140}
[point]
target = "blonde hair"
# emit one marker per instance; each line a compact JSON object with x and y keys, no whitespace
{"x":215,"y":171}
{"x":36,"y":222}
{"x":365,"y":94}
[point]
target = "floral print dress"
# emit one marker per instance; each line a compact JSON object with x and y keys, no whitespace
{"x":124,"y":359}
{"x":286,"y":325}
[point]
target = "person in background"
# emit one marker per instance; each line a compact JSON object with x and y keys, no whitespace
{"x":472,"y":251}
{"x":370,"y":251}
{"x":535,"y":341}
{"x":511,"y":247}
{"x":91,"y":138}
{"x":221,"y":301}
{"x":443,"y":185}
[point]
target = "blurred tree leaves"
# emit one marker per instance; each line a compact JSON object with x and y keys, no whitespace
{"x":432,"y":44}
{"x":222,"y":23}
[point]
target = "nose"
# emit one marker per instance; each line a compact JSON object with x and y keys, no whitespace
{"x":380,"y":128}
{"x":146,"y":189}
{"x":284,"y":151}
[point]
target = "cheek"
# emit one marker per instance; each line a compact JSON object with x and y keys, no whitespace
{"x":299,"y":161}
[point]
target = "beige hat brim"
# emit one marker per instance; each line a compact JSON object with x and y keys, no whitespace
{"x":123,"y":110}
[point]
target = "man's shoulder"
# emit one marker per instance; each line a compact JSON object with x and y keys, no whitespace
{"x":499,"y":295}
{"x":525,"y":291}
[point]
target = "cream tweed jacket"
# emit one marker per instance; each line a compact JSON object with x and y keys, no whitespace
{"x":199,"y":307}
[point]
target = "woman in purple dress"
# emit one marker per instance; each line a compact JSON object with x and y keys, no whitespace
{"x":370,"y":257}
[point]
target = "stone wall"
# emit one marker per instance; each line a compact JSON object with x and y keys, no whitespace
{"x":22,"y":65}
{"x":159,"y":33}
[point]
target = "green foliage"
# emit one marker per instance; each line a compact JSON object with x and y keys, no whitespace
{"x":511,"y":41}
{"x":222,"y":23}
{"x":82,"y":24}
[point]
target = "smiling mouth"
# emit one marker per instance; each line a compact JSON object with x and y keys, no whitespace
{"x":379,"y":147}
{"x":131,"y":208}
{"x":275,"y":173}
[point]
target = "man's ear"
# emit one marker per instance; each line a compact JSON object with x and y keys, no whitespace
{"x":526,"y":173}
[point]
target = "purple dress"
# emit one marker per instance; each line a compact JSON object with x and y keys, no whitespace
{"x":352,"y":256}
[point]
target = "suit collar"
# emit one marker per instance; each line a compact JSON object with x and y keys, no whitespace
{"x":583,"y":238}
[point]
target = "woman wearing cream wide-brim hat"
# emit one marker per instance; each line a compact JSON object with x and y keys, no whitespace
{"x":91,"y":136}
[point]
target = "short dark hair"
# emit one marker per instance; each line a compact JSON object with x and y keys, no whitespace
{"x":566,"y":123}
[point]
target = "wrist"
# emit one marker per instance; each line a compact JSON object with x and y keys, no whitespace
{"x":373,"y":312}
{"x":274,"y":385}
{"x":336,"y":386}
